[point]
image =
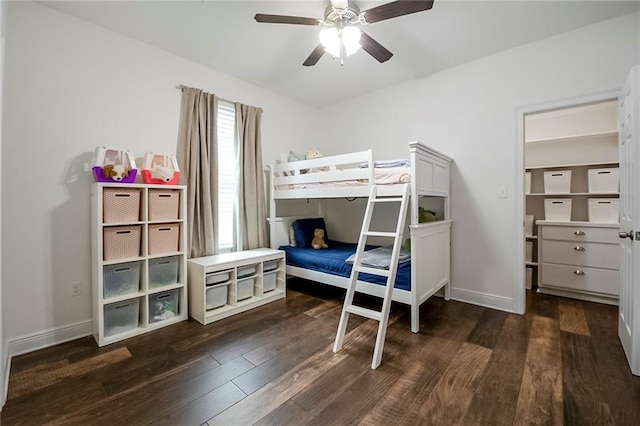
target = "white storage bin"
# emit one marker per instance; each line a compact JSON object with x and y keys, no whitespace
{"x":121,"y":279}
{"x":557,"y":209}
{"x":163,"y":271}
{"x":604,"y":210}
{"x":269,"y":265}
{"x":528,"y":224}
{"x":528,"y":278}
{"x":604,"y":180}
{"x":557,"y":182}
{"x":121,"y":317}
{"x":216,"y":277}
{"x":527,"y":182}
{"x":247,"y":271}
{"x":216,"y":296}
{"x":164,"y":305}
{"x":245,"y":288}
{"x":529,"y":251}
{"x":269,"y":281}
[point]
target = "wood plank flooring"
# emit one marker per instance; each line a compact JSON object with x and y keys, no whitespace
{"x":561,"y":363}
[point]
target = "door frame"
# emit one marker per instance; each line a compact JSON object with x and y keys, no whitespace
{"x":519,"y":290}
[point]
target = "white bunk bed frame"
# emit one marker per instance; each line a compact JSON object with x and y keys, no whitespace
{"x":430,"y":242}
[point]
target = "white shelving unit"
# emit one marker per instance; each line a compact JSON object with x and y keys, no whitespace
{"x":138,"y":259}
{"x":229,"y":283}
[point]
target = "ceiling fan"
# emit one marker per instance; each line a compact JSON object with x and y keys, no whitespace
{"x":341,"y":36}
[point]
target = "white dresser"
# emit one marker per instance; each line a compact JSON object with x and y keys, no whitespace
{"x":579,"y":260}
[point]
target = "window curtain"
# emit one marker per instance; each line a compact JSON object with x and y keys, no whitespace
{"x":196,"y":154}
{"x":252,"y":205}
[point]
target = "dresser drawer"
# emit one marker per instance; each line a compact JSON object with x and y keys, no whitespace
{"x":595,"y":255}
{"x":580,"y":233}
{"x":592,"y":280}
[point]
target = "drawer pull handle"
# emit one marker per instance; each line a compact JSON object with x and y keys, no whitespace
{"x":578,"y":272}
{"x":578,"y":248}
{"x":578,"y":233}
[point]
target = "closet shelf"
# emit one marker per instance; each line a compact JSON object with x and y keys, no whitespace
{"x":572,"y":194}
{"x":575,"y":138}
{"x":564,"y":166}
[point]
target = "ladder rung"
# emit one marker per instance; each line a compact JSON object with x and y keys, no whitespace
{"x":364,"y":312}
{"x":373,"y":271}
{"x":380,"y":234}
{"x":386,"y":200}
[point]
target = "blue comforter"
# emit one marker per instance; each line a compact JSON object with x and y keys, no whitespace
{"x":333,"y":261}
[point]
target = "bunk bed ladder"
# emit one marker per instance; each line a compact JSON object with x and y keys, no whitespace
{"x":349,"y":308}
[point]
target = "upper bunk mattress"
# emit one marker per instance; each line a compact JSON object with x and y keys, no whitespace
{"x":333,"y":261}
{"x":381,"y":176}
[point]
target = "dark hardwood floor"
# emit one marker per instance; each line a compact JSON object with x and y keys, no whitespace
{"x":561,"y":363}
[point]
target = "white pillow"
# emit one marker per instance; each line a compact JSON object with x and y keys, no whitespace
{"x":292,"y":237}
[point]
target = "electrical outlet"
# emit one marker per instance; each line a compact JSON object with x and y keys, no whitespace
{"x":76,"y":288}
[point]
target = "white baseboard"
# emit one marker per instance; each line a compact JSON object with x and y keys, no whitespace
{"x":53,"y":336}
{"x":483,"y":299}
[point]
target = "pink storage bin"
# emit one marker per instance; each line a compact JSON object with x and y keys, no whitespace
{"x":164,"y":204}
{"x":121,"y":242}
{"x":164,"y":238}
{"x":120,"y":205}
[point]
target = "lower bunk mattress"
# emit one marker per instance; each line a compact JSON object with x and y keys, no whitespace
{"x":333,"y":261}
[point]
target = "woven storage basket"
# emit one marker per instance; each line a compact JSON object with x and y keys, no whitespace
{"x":120,"y":205}
{"x":604,"y":210}
{"x":557,"y":209}
{"x":121,"y":242}
{"x":604,"y":180}
{"x":164,"y":238}
{"x":164,"y":204}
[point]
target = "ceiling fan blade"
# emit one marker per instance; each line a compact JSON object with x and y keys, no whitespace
{"x":373,"y":48}
{"x":283,"y":19}
{"x":315,"y":56}
{"x":395,"y":9}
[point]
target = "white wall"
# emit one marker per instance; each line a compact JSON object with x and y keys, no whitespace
{"x":72,"y":86}
{"x":4,"y":355}
{"x":469,"y":113}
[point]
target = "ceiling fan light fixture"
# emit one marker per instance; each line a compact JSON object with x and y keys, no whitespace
{"x":351,"y":39}
{"x":330,"y":39}
{"x":334,"y":39}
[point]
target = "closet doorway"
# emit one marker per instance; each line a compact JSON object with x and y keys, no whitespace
{"x":571,"y":180}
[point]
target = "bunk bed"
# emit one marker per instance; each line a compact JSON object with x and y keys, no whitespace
{"x":351,"y":175}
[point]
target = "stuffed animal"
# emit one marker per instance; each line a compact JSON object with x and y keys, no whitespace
{"x":163,"y":173}
{"x":426,"y":215}
{"x":313,"y":153}
{"x":318,"y":239}
{"x":116,"y":172}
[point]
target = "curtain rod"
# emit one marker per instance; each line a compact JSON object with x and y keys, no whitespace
{"x":182,"y":86}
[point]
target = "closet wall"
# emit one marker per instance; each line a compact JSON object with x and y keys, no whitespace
{"x":568,"y":153}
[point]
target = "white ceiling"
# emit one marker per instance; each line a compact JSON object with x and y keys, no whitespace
{"x":224,"y":36}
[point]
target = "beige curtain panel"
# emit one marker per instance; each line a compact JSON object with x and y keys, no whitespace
{"x":196,"y":153}
{"x":252,"y":207}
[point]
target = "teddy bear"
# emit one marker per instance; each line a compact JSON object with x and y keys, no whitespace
{"x":165,"y":174}
{"x":116,"y":172}
{"x":318,"y":239}
{"x":314,"y":153}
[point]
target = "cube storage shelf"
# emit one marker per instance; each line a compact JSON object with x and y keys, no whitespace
{"x":139,"y":261}
{"x":229,"y":283}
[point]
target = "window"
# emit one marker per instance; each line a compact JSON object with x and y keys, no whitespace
{"x":227,"y":177}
